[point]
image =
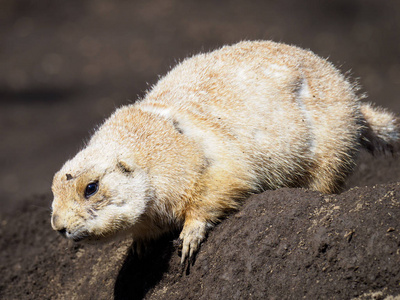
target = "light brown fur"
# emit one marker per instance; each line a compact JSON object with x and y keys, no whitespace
{"x":218,"y":127}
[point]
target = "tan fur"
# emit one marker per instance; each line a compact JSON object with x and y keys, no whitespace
{"x":218,"y":127}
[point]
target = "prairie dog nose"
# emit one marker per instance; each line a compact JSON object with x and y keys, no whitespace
{"x":55,"y":223}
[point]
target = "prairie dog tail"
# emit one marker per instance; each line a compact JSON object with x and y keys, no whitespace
{"x":382,"y":133}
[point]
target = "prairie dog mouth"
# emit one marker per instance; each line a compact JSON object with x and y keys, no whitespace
{"x":75,"y":236}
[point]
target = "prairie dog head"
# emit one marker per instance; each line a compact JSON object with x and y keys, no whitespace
{"x":97,"y":194}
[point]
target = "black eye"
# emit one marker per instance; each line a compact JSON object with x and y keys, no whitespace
{"x":91,"y":189}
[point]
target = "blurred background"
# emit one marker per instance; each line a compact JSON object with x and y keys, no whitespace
{"x":66,"y":65}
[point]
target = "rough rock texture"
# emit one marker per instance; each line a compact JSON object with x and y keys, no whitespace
{"x":282,"y":244}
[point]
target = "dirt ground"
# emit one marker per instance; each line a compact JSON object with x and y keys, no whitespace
{"x":66,"y":65}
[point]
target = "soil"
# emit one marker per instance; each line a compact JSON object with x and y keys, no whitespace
{"x":67,"y":65}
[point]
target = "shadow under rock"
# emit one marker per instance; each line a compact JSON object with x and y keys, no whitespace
{"x":138,"y":276}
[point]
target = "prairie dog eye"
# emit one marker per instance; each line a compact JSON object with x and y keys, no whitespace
{"x":91,"y":189}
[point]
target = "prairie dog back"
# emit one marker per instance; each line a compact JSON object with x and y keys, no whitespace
{"x":262,"y":100}
{"x":218,"y":127}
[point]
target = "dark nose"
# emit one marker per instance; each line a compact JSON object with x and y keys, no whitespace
{"x":63,"y":232}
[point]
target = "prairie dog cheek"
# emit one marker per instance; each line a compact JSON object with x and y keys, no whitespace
{"x":127,"y":196}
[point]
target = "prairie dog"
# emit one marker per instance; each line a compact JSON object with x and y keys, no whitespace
{"x":218,"y":127}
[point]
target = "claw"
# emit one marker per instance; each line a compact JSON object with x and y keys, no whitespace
{"x":185,"y":251}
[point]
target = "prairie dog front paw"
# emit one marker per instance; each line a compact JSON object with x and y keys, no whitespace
{"x":193,"y":233}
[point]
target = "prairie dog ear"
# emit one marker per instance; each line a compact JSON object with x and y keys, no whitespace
{"x":124,"y":167}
